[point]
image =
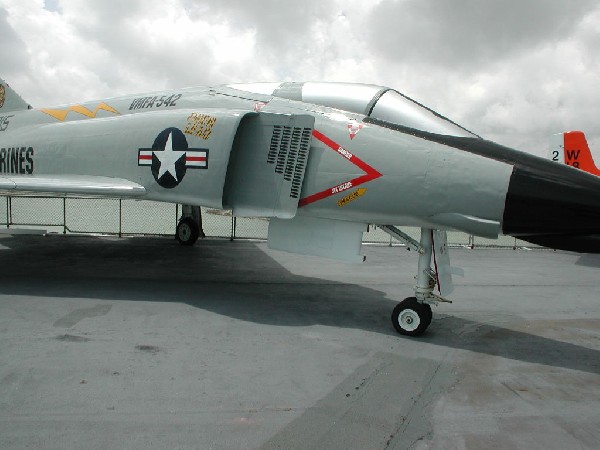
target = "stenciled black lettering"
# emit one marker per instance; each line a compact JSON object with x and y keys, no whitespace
{"x":2,"y":160}
{"x":573,"y":154}
{"x":152,"y":100}
{"x":21,"y":152}
{"x":175,"y":98}
{"x":14,"y":160}
{"x":4,"y":122}
{"x":134,"y":104}
{"x":29,"y":158}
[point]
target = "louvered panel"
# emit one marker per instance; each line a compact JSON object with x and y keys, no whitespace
{"x":269,"y":185}
{"x":300,"y":166}
{"x":275,"y":143}
{"x":289,"y":152}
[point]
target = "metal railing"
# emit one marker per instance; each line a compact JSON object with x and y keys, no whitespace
{"x":90,"y":215}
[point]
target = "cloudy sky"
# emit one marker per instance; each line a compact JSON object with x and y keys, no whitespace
{"x":514,"y":71}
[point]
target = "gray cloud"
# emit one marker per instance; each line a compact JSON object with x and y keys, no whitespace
{"x":13,"y":51}
{"x":284,"y":32}
{"x":278,"y":25}
{"x":464,"y":34}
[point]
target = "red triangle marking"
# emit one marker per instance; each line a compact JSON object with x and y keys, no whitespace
{"x":370,"y":173}
{"x":354,"y":128}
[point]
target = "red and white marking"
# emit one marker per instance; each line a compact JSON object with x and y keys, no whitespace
{"x":259,"y":105}
{"x":145,"y":157}
{"x":370,"y":172}
{"x":196,"y":159}
{"x":353,"y":128}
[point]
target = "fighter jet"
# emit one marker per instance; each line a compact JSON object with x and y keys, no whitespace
{"x":321,"y":160}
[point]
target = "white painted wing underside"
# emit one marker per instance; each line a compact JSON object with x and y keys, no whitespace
{"x":71,"y":184}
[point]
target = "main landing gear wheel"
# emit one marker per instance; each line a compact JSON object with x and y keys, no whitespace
{"x":411,"y":317}
{"x":188,"y":231}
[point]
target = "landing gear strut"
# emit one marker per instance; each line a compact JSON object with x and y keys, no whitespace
{"x":413,"y":315}
{"x":189,"y":228}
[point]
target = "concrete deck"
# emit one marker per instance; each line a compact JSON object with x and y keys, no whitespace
{"x":141,"y":343}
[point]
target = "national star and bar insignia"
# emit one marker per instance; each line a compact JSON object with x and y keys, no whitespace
{"x":170,"y":157}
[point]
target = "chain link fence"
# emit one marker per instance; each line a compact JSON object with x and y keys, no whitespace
{"x":4,"y":210}
{"x":84,"y":215}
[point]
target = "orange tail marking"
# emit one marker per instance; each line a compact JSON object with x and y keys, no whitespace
{"x":577,"y":152}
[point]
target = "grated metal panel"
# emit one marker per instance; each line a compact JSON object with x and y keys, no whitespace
{"x":283,"y":149}
{"x":301,"y":162}
{"x":288,"y":151}
{"x":275,"y":143}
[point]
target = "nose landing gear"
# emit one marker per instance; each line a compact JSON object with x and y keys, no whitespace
{"x":413,"y":315}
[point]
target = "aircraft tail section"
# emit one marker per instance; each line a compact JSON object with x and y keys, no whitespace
{"x":571,"y":148}
{"x":9,"y":100}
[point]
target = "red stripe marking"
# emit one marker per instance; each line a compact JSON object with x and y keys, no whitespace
{"x":370,"y":173}
{"x":145,"y":157}
{"x":195,"y":158}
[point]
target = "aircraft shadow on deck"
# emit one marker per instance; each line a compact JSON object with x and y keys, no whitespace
{"x":589,"y":260}
{"x":240,"y":281}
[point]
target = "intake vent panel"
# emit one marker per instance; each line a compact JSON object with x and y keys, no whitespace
{"x":289,"y":153}
{"x":267,"y":165}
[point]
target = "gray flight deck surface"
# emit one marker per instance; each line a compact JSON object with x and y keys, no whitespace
{"x":142,"y":343}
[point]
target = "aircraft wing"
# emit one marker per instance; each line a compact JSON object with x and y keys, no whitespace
{"x":71,"y":184}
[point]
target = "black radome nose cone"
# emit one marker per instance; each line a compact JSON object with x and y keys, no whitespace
{"x":554,"y":206}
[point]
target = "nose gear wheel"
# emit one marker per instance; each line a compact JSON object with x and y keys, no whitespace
{"x":411,"y":317}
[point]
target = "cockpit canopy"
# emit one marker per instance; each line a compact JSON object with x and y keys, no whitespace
{"x":398,"y":109}
{"x":376,"y":102}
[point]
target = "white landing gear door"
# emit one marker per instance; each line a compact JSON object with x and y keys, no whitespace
{"x":334,"y":239}
{"x":442,"y":263}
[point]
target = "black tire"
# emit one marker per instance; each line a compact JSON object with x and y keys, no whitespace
{"x":410,"y":317}
{"x":428,"y":314}
{"x":187,"y":231}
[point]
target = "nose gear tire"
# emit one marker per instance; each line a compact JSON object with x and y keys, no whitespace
{"x":411,"y":317}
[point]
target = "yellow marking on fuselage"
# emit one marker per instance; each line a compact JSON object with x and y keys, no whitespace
{"x":351,"y":197}
{"x":61,"y":114}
